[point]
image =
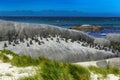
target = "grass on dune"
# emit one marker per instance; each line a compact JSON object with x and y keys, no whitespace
{"x":105,"y":71}
{"x":49,"y":69}
{"x":34,"y":77}
{"x":8,"y":52}
{"x":53,"y":70}
{"x":4,"y":58}
{"x":24,"y":61}
{"x":62,"y":71}
{"x":20,"y":60}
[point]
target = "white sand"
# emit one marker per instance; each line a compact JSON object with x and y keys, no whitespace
{"x":86,"y":64}
{"x":9,"y":72}
{"x":98,"y":76}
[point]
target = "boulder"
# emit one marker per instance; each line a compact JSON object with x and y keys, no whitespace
{"x":25,"y":38}
{"x":115,"y":38}
{"x":102,"y":41}
{"x":87,"y":28}
{"x":114,"y":63}
{"x":102,"y":64}
{"x":10,"y":30}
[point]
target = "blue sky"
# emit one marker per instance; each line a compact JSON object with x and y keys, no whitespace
{"x":89,"y":6}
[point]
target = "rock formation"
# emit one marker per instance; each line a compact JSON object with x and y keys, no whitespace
{"x":102,"y":41}
{"x":114,"y":38}
{"x":51,"y":42}
{"x":87,"y":28}
{"x":114,"y":62}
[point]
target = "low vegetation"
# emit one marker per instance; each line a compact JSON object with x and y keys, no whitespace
{"x":104,"y":71}
{"x":4,"y":58}
{"x":53,"y":70}
{"x":19,"y":60}
{"x":48,"y":69}
{"x":8,"y":74}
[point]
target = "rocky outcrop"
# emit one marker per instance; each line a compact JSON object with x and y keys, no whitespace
{"x":114,"y":38}
{"x":102,"y":41}
{"x":102,"y":64}
{"x":115,"y":41}
{"x":115,"y":62}
{"x":87,"y":28}
{"x":49,"y":41}
{"x":11,"y":30}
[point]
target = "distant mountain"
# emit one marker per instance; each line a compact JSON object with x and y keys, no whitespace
{"x":54,"y":13}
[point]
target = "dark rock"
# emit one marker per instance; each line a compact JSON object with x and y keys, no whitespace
{"x":87,"y":28}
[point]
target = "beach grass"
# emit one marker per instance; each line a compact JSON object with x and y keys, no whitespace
{"x":34,"y":77}
{"x":54,"y":70}
{"x":8,"y":74}
{"x":49,"y":69}
{"x":104,"y":71}
{"x":19,"y":60}
{"x":8,"y":52}
{"x":4,"y":58}
{"x":24,"y":61}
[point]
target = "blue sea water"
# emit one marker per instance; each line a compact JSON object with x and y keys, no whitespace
{"x":109,"y":24}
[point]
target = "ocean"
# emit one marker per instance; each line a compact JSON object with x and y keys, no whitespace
{"x":109,"y":24}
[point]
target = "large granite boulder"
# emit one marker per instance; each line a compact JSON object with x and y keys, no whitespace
{"x":102,"y":41}
{"x":102,"y":63}
{"x":115,"y":38}
{"x":49,"y":41}
{"x":10,"y":30}
{"x":114,"y":62}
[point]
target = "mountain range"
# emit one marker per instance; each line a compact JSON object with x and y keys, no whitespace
{"x":57,"y":13}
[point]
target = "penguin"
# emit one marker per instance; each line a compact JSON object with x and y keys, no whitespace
{"x":5,"y":45}
{"x":28,"y":45}
{"x":42,"y":42}
{"x":39,"y":42}
{"x":46,"y":39}
{"x":31,"y":42}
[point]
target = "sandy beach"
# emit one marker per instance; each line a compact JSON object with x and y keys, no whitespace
{"x":9,"y":72}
